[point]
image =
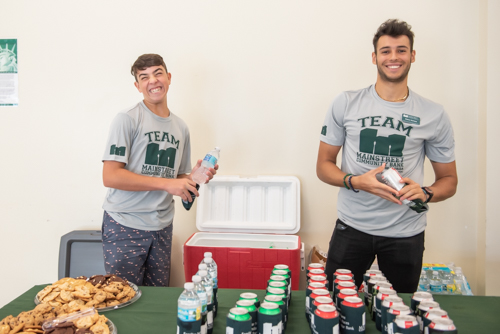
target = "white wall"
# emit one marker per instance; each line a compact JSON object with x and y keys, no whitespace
{"x":253,"y":77}
{"x":492,"y":249}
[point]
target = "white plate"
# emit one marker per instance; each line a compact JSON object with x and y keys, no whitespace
{"x":138,"y":294}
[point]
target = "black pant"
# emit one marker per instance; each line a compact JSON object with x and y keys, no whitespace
{"x":399,"y":259}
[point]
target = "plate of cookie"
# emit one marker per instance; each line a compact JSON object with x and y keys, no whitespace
{"x":103,"y":292}
{"x":34,"y":321}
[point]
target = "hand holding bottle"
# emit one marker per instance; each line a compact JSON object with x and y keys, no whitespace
{"x":205,"y":169}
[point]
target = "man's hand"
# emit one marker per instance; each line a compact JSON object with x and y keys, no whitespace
{"x":368,"y":182}
{"x":411,"y":191}
{"x":181,"y":187}
{"x":209,"y":173}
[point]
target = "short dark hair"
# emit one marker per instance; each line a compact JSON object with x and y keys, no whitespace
{"x":393,"y":28}
{"x":145,"y":61}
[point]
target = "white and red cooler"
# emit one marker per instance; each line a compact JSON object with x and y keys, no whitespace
{"x":248,"y":224}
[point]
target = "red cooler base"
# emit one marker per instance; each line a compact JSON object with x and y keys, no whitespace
{"x":243,"y":268}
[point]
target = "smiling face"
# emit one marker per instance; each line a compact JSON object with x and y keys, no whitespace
{"x":153,"y":83}
{"x":393,"y":58}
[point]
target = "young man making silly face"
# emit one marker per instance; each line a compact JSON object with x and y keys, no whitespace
{"x":145,"y":164}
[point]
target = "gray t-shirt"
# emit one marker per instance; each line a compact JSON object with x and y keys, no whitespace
{"x":148,"y":145}
{"x":372,"y":131}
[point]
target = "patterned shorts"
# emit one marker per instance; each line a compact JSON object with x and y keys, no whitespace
{"x":142,"y":257}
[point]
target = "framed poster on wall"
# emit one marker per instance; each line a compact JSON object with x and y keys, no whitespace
{"x":8,"y":73}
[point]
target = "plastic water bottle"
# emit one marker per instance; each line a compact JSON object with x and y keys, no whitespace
{"x":188,"y":311}
{"x":202,"y":294}
{"x":206,"y":281}
{"x":210,"y":255}
{"x":212,"y":272}
{"x":449,"y":286}
{"x":201,"y":266}
{"x":436,"y":285}
{"x":210,"y":160}
{"x":423,"y":283}
{"x":460,"y":282}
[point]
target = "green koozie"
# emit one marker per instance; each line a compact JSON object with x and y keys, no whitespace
{"x":269,"y":318}
{"x":238,"y":321}
{"x":252,"y":310}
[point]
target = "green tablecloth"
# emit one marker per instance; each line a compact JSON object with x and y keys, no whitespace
{"x":156,"y":311}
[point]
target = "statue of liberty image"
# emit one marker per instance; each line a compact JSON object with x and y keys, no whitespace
{"x":8,"y":59}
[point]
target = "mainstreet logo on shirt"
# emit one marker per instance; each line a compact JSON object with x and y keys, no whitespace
{"x":120,"y":151}
{"x":323,"y":130}
{"x":376,"y":150}
{"x":160,"y":162}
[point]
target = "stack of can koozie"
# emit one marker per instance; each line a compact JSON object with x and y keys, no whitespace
{"x":391,"y":315}
{"x":341,"y":312}
{"x":250,"y":316}
{"x":344,"y":311}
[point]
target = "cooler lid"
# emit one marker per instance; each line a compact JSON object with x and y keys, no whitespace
{"x":262,"y":204}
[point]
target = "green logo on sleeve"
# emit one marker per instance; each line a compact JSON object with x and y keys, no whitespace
{"x":323,"y":130}
{"x":117,"y":150}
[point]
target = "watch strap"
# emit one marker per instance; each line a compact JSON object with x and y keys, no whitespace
{"x":429,"y":193}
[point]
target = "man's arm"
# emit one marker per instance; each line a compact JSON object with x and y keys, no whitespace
{"x":115,"y":175}
{"x":444,"y":186}
{"x":446,"y":181}
{"x":328,"y":172}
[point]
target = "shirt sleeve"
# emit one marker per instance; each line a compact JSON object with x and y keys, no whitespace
{"x":185,"y":166}
{"x":333,"y":131}
{"x":441,"y":147}
{"x":119,"y":139}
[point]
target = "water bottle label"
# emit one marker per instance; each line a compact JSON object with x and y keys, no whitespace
{"x":436,"y":288}
{"x":210,"y":159}
{"x":189,"y":314}
{"x":203,"y":300}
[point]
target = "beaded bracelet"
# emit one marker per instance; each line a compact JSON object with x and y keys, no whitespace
{"x":350,"y":184}
{"x":345,"y":184}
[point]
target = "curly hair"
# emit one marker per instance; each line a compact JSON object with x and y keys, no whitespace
{"x":393,"y":28}
{"x":145,"y":61}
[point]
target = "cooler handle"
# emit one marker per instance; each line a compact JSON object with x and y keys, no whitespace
{"x":302,"y":257}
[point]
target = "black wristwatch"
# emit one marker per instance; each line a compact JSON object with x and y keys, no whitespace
{"x":428,"y":192}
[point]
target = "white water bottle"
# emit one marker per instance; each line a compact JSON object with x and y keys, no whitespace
{"x":188,"y":311}
{"x":209,"y":254}
{"x":201,"y":266}
{"x":460,"y":282}
{"x":206,"y":281}
{"x":436,"y":284}
{"x":202,"y":294}
{"x":212,"y":272}
{"x":423,"y":283}
{"x":210,"y":160}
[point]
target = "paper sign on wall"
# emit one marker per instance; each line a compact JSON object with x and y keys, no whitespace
{"x":8,"y":73}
